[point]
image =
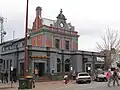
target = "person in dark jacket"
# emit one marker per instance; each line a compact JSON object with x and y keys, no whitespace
{"x":6,"y":76}
{"x":115,"y":77}
{"x":14,"y":75}
{"x":2,"y":76}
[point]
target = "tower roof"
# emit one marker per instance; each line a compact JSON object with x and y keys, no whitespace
{"x":38,"y":8}
{"x":61,"y":16}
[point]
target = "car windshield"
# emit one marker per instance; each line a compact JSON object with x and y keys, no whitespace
{"x":83,"y":74}
{"x":100,"y":72}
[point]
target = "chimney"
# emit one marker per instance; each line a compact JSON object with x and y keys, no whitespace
{"x":38,"y":11}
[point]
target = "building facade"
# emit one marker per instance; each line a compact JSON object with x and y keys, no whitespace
{"x":52,"y":48}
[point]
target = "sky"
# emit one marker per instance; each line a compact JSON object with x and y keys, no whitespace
{"x":91,"y":18}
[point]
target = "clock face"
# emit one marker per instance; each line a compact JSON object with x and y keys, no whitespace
{"x":61,"y":25}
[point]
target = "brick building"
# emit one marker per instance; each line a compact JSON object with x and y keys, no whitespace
{"x":53,"y":45}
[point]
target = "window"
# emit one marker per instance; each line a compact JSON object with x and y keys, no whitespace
{"x":21,"y":69}
{"x":8,"y":47}
{"x":67,"y":45}
{"x":1,"y":60}
{"x":10,"y":63}
{"x":3,"y":48}
{"x":67,"y":65}
{"x":57,"y":43}
{"x":4,"y":64}
{"x":83,"y":74}
{"x":7,"y":64}
{"x":22,"y":43}
{"x":58,"y":65}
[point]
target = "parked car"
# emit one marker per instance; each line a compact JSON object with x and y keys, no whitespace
{"x":119,"y":75}
{"x":83,"y":77}
{"x":100,"y":75}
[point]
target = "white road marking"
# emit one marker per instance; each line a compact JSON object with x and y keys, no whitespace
{"x":86,"y":86}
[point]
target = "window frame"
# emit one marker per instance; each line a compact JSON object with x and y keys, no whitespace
{"x":57,"y":45}
{"x":67,"y":44}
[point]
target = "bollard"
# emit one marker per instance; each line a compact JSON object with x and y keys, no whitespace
{"x":33,"y":83}
{"x":26,"y":83}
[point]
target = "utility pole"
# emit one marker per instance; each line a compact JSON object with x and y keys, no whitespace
{"x":2,"y":32}
{"x":26,"y":47}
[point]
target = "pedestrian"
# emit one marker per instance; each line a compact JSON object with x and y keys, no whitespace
{"x":109,"y":77}
{"x":115,"y":77}
{"x":2,"y":76}
{"x":6,"y":76}
{"x":74,"y":75}
{"x":66,"y":79}
{"x":14,"y":75}
{"x":36,"y":73}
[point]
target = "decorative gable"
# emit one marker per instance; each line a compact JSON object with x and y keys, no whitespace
{"x":61,"y":22}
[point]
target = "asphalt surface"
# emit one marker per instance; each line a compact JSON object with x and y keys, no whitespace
{"x":92,"y":86}
{"x":59,"y":85}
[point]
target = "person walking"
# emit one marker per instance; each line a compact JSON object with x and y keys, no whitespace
{"x":109,"y":77}
{"x":115,"y":77}
{"x":2,"y":76}
{"x":14,"y":75}
{"x":66,"y":78}
{"x":36,"y":72}
{"x":6,"y":77}
{"x":74,"y":75}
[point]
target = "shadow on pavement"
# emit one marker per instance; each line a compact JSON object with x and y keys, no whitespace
{"x":6,"y":87}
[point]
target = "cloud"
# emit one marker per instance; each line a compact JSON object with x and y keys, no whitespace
{"x":90,"y":17}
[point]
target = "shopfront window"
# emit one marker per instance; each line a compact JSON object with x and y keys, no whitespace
{"x":67,"y":65}
{"x":58,"y":65}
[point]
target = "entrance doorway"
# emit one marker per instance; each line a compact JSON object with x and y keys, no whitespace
{"x":88,"y":68}
{"x":40,"y":67}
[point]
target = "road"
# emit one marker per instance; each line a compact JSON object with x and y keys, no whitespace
{"x":59,"y":85}
{"x":92,"y":86}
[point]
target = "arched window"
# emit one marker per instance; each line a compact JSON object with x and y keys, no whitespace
{"x":67,"y":65}
{"x":58,"y":65}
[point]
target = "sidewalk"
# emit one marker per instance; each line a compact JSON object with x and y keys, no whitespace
{"x":38,"y":85}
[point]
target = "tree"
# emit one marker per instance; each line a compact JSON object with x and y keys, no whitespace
{"x":110,"y":46}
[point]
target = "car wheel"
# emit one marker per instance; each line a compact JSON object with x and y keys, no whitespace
{"x":105,"y":79}
{"x":77,"y":82}
{"x":98,"y":79}
{"x":89,"y":82}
